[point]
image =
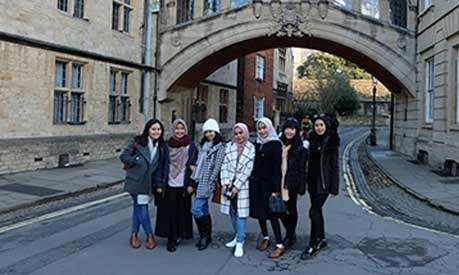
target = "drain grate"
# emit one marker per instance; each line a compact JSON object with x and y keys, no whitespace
{"x":29,"y":189}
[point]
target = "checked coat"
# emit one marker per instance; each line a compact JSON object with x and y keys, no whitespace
{"x":205,"y":185}
{"x":236,"y":173}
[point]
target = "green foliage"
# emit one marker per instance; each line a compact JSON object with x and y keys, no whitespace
{"x":320,"y":65}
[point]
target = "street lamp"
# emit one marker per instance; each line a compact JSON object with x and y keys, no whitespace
{"x":373,"y":121}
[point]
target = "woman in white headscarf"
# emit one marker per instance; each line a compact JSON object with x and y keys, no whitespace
{"x":266,"y":182}
{"x":173,"y":216}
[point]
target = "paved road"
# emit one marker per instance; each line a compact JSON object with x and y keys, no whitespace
{"x":94,"y":241}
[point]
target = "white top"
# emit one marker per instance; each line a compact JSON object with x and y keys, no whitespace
{"x":178,"y":181}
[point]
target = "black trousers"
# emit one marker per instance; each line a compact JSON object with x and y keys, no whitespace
{"x":317,"y":218}
{"x":276,"y":228}
{"x":290,"y":218}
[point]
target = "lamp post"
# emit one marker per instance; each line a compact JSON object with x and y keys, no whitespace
{"x":373,"y":121}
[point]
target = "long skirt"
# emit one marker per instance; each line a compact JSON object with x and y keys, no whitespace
{"x":173,"y":215}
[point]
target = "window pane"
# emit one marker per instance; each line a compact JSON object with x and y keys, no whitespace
{"x":398,"y":12}
{"x":457,"y":86}
{"x":75,"y":108}
{"x":127,"y":13}
{"x":60,"y":74}
{"x":124,"y":109}
{"x":112,"y":82}
{"x":79,"y":9}
{"x":259,"y":107}
{"x":370,"y":8}
{"x":63,"y":5}
{"x":344,"y":3}
{"x":77,"y":76}
{"x":429,"y":95}
{"x":260,"y":66}
{"x":59,"y":107}
{"x":238,"y":3}
{"x":211,"y":6}
{"x":112,"y":109}
{"x":184,"y":11}
{"x":124,"y":82}
{"x":115,"y":16}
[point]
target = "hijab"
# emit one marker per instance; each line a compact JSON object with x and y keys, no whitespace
{"x":178,"y":149}
{"x":245,"y":131}
{"x":272,"y":135}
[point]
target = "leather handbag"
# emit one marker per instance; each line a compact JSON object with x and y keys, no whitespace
{"x":276,"y":205}
{"x":216,"y":197}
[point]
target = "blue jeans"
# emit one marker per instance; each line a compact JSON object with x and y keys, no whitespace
{"x":200,"y":207}
{"x":140,"y":216}
{"x":239,"y":224}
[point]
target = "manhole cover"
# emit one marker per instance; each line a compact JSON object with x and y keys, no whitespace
{"x":29,"y":189}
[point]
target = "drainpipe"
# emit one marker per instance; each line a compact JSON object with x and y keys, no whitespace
{"x":157,"y":50}
{"x":147,"y":61}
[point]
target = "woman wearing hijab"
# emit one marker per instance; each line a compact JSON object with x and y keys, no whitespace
{"x":205,"y":177}
{"x":294,"y":157}
{"x":323,"y":180}
{"x":236,"y":169}
{"x":173,"y":216}
{"x":146,"y":159}
{"x":266,"y":182}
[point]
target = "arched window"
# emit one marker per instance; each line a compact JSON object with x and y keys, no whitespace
{"x":398,"y":12}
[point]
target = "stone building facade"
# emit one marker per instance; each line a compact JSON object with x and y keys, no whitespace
{"x":70,"y":80}
{"x":427,"y":125}
{"x":283,"y":64}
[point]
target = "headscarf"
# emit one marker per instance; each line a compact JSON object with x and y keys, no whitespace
{"x":245,"y":131}
{"x":272,"y":135}
{"x":178,"y":152}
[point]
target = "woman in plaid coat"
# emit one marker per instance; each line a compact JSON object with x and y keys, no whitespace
{"x":236,"y":170}
{"x":205,"y":177}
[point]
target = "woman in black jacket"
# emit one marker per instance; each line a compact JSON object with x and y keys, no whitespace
{"x":294,"y":157}
{"x":266,"y":182}
{"x":323,"y":179}
{"x":146,"y":161}
{"x":173,"y":216}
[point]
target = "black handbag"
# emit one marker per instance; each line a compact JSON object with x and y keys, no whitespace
{"x":276,"y":205}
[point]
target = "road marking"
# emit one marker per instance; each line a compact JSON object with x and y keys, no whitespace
{"x":59,"y":213}
{"x":355,"y":196}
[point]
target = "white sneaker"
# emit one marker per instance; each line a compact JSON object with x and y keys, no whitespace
{"x":239,"y":250}
{"x":232,"y":243}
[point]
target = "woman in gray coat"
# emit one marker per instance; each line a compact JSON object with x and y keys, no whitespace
{"x":146,"y":161}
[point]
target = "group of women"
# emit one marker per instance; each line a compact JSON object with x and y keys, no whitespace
{"x":262,"y":180}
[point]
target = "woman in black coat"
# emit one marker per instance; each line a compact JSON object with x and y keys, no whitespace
{"x":323,"y":179}
{"x":266,"y":182}
{"x":294,"y":157}
{"x":146,"y":161}
{"x":173,"y":216}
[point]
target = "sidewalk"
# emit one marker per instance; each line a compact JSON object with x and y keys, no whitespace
{"x":31,"y":188}
{"x":418,"y":180}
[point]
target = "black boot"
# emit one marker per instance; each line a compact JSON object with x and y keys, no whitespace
{"x":201,"y":230}
{"x":171,"y":245}
{"x":207,"y":236}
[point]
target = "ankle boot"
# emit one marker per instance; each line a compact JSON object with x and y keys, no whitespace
{"x":150,"y":242}
{"x":134,"y":241}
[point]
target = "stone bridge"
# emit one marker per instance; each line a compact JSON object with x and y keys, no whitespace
{"x":195,"y":41}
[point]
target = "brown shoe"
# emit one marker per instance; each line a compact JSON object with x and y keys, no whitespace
{"x":150,"y":242}
{"x":277,"y":252}
{"x":134,"y":241}
{"x":263,"y":245}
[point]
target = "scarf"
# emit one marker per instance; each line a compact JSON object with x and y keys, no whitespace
{"x":178,"y":150}
{"x":272,"y":135}
{"x":152,"y":147}
{"x":201,"y":158}
{"x":245,"y":131}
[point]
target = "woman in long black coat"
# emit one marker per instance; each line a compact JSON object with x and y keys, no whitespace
{"x":323,"y":179}
{"x":173,"y":216}
{"x":146,"y":161}
{"x":294,"y":157}
{"x":266,"y":182}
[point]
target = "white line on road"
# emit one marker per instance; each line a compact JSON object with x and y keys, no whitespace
{"x":354,"y":194}
{"x":59,"y":213}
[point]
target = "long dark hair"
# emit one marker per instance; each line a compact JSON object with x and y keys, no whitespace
{"x":143,"y":138}
{"x":218,"y":139}
{"x":296,"y":140}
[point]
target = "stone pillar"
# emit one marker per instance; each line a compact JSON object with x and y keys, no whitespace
{"x":198,"y":8}
{"x":226,"y":5}
{"x":384,"y":7}
{"x":171,"y":12}
{"x":356,"y":5}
